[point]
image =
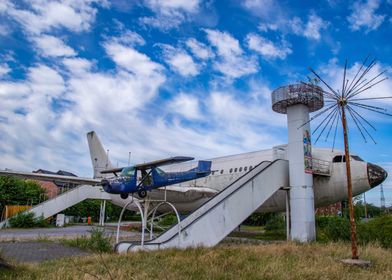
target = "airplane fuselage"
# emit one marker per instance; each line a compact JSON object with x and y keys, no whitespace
{"x":329,"y":178}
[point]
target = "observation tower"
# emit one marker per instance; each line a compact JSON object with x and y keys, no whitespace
{"x":297,"y":101}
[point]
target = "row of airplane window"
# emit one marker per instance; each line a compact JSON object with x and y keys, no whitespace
{"x":240,"y":169}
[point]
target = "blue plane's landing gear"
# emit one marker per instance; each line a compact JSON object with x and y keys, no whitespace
{"x":124,"y":195}
{"x":142,"y":193}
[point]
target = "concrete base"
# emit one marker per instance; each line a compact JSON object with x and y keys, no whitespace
{"x":356,"y":262}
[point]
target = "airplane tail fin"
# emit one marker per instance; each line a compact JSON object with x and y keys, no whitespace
{"x":99,"y":157}
{"x":204,"y":166}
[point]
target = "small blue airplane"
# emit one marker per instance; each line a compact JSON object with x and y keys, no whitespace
{"x":126,"y":180}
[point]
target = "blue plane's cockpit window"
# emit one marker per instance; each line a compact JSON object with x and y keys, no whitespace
{"x":128,"y":171}
{"x":160,"y":171}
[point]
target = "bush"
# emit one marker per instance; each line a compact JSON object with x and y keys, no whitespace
{"x":168,"y":220}
{"x":377,"y":230}
{"x":27,"y":220}
{"x":98,"y":241}
{"x":259,"y":219}
{"x":331,"y":228}
{"x":276,"y":223}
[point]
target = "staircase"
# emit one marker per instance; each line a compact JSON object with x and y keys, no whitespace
{"x":59,"y":203}
{"x":219,"y":216}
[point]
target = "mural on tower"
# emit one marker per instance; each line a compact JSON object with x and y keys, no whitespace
{"x":307,"y":152}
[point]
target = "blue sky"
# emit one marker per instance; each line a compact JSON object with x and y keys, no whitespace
{"x":177,"y":77}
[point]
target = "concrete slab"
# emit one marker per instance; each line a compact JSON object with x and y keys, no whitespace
{"x":35,"y":252}
{"x":357,"y":262}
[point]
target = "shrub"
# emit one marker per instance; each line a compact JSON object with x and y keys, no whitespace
{"x":98,"y":241}
{"x":276,"y":223}
{"x":331,"y":228}
{"x":376,"y":230}
{"x":27,"y":220}
{"x":168,"y":220}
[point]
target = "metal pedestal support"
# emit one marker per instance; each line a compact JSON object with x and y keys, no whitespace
{"x":143,"y":207}
{"x":102,"y":211}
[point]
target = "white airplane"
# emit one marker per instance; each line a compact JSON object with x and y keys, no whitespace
{"x":329,"y":177}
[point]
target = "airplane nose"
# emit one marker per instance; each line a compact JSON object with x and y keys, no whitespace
{"x":376,"y":174}
{"x":106,"y":185}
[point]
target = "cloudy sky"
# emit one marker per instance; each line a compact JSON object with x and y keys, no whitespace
{"x":175,"y":77}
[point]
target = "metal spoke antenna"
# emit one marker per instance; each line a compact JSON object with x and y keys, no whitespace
{"x":345,"y":102}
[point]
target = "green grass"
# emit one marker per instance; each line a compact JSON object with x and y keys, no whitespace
{"x":98,"y":241}
{"x":272,"y":261}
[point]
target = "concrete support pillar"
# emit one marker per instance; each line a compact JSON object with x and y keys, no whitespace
{"x":301,"y":178}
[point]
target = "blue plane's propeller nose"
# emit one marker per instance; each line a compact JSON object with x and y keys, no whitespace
{"x":376,"y":174}
{"x":106,"y":185}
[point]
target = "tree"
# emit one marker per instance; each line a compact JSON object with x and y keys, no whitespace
{"x":14,"y":191}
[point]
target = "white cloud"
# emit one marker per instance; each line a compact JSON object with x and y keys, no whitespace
{"x":275,"y":18}
{"x":313,"y":27}
{"x":186,"y":105}
{"x":180,"y":61}
{"x":170,"y":14}
{"x":77,"y":65}
{"x":199,"y":49}
{"x":4,"y":69}
{"x":232,"y":62}
{"x":364,"y":15}
{"x":167,"y":6}
{"x":44,"y":15}
{"x":266,"y":47}
{"x":131,"y":38}
{"x":265,"y":9}
{"x":310,"y":29}
{"x":52,"y":46}
{"x":132,"y":60}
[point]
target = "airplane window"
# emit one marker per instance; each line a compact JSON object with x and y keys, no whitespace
{"x":235,"y":169}
{"x":231,"y":170}
{"x":250,"y":167}
{"x":357,"y":158}
{"x":128,"y":171}
{"x":213,"y":172}
{"x":160,"y":171}
{"x":337,"y":159}
{"x":221,"y":171}
{"x":245,"y":168}
{"x":240,"y":169}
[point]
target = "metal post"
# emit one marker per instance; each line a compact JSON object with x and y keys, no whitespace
{"x":353,"y":228}
{"x":287,"y":215}
{"x":364,"y":201}
{"x":102,"y":213}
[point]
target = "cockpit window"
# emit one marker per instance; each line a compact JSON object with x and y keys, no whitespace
{"x":128,"y":171}
{"x":160,"y":171}
{"x":337,"y":159}
{"x":357,"y":158}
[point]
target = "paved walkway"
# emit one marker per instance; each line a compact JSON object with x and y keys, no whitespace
{"x":32,"y":245}
{"x":33,"y":251}
{"x":57,"y":233}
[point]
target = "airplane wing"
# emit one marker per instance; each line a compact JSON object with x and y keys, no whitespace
{"x":51,"y":177}
{"x":182,"y":194}
{"x":148,"y":165}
